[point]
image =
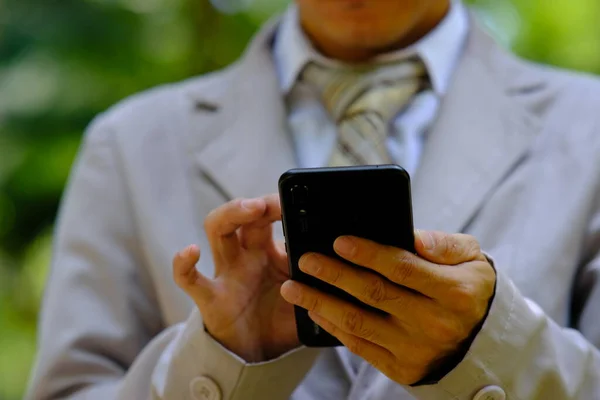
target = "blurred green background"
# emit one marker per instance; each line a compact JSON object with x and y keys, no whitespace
{"x":63,"y":61}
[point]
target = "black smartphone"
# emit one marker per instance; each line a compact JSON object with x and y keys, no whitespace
{"x":321,"y":204}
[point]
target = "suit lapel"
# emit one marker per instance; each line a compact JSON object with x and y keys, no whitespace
{"x":480,"y":135}
{"x":248,"y":147}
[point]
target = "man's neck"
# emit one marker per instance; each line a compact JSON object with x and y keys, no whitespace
{"x":425,"y":24}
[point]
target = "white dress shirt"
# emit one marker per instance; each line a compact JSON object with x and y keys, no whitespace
{"x":314,"y":133}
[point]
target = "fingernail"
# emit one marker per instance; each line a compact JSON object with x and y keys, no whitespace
{"x":290,"y":291}
{"x":185,"y":252}
{"x":345,"y":246}
{"x":251,"y":204}
{"x":427,"y":239}
{"x":309,"y":263}
{"x":191,"y":248}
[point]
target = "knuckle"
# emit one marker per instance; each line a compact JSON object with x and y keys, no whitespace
{"x":485,"y":280}
{"x":384,"y":365}
{"x":474,"y":247}
{"x":355,"y":345}
{"x":404,"y":268}
{"x":443,"y":331}
{"x":447,"y":246}
{"x":466,"y":246}
{"x":489,"y":282}
{"x":471,"y":247}
{"x":353,"y":322}
{"x":176,"y":262}
{"x":335,"y":274}
{"x":402,"y":300}
{"x":272,"y":199}
{"x":389,"y":367}
{"x":179,"y":280}
{"x":216,"y":215}
{"x":178,"y":270}
{"x":463,"y":298}
{"x":487,"y":269}
{"x":377,"y":364}
{"x":209,"y":221}
{"x":374,"y":292}
{"x":369,"y":334}
{"x":315,"y":304}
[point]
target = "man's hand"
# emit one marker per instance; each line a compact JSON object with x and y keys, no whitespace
{"x":434,"y":300}
{"x":242,"y":307}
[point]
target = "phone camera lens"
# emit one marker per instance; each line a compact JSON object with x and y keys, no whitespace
{"x":299,"y":195}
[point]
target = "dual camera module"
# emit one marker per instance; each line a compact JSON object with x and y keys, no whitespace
{"x":300,"y":200}
{"x":299,"y":195}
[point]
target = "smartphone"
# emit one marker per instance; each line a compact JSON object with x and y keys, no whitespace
{"x":320,"y":204}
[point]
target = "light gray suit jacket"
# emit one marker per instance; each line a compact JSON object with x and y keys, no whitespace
{"x":513,"y":159}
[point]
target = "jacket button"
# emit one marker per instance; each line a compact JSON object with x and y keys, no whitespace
{"x":204,"y":388}
{"x":492,"y":392}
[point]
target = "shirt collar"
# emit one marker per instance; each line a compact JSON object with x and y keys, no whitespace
{"x":439,"y":49}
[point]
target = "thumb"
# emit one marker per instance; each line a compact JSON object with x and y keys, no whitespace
{"x":447,"y":249}
{"x":188,"y":278}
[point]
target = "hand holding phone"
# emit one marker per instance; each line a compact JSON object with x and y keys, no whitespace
{"x":320,"y":205}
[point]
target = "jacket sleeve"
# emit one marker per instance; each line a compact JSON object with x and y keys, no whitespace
{"x":101,"y":333}
{"x":521,"y":353}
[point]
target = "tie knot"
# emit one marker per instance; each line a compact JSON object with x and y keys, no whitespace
{"x":385,"y":89}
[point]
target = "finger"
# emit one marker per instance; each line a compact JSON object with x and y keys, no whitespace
{"x":222,"y":223}
{"x":278,"y":254}
{"x":260,"y":232}
{"x":256,"y":237}
{"x":281,"y":248}
{"x":408,"y":370}
{"x":397,"y":265}
{"x":350,"y":318}
{"x":370,"y":288}
{"x":447,"y":249}
{"x":271,"y":214}
{"x":188,"y":278}
{"x":378,"y":356}
{"x":226,"y":219}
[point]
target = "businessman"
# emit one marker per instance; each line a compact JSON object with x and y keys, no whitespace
{"x":501,"y":300}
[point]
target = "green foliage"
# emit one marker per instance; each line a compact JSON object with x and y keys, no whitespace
{"x":64,"y":61}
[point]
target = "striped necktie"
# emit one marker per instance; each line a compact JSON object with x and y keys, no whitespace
{"x":362,"y":102}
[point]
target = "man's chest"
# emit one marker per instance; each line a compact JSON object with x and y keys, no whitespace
{"x":532,"y":224}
